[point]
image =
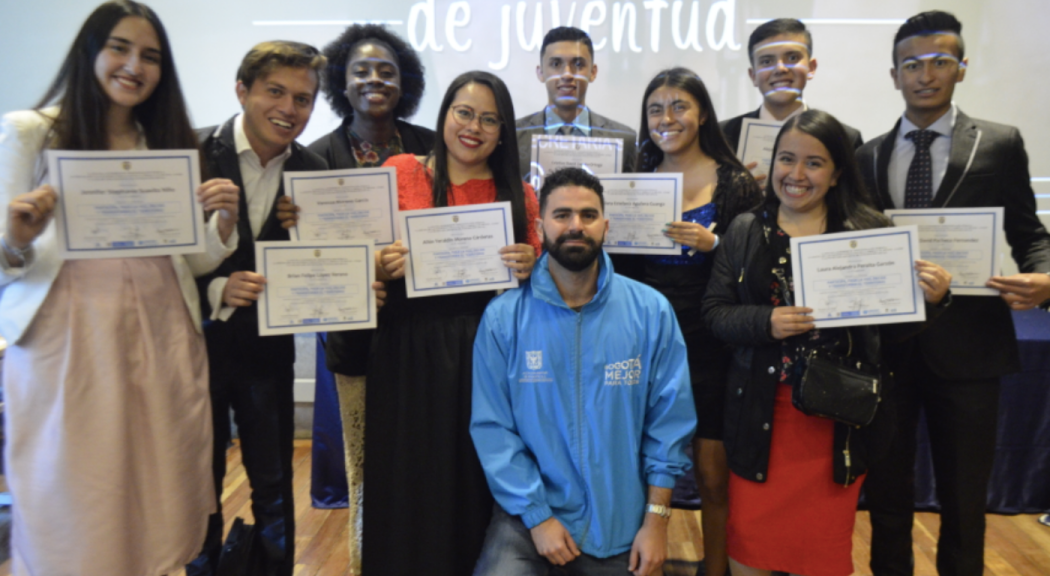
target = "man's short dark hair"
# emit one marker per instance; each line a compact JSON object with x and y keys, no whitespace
{"x":567,"y":34}
{"x":928,"y":24}
{"x":571,"y":176}
{"x":776,"y":28}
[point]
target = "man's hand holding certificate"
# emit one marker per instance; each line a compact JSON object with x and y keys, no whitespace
{"x":859,"y":278}
{"x":965,"y":241}
{"x":127,"y":203}
{"x":454,"y":249}
{"x":316,"y":286}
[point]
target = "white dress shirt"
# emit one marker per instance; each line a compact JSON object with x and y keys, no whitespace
{"x":765,"y":114}
{"x":260,"y":191}
{"x":904,"y":152}
{"x":581,"y":125}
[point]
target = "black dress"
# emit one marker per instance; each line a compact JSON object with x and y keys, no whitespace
{"x":427,"y":503}
{"x":683,"y":279}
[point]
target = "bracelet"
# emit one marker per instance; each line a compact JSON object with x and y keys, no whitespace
{"x":16,"y":252}
{"x":717,"y":240}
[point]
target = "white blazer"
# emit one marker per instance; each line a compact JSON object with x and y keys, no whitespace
{"x":23,"y":168}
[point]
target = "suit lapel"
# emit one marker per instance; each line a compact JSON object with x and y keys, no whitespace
{"x":225,"y":153}
{"x":964,"y":138}
{"x":292,"y":164}
{"x":882,"y":167}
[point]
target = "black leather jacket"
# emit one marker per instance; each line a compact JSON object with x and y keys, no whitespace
{"x":737,"y":309}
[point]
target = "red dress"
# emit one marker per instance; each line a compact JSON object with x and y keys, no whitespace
{"x":424,"y":489}
{"x":414,"y":192}
{"x":799,"y":520}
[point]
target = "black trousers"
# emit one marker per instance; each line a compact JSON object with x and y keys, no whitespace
{"x":262,"y":399}
{"x":962,"y":418}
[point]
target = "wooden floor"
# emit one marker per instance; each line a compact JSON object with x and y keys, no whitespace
{"x":1015,"y":545}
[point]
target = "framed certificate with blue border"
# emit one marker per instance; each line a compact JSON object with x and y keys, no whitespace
{"x":595,"y":155}
{"x":638,"y":207}
{"x":967,"y":242}
{"x":127,"y":203}
{"x":316,"y":286}
{"x":351,"y":204}
{"x":757,"y":139}
{"x":859,"y":278}
{"x":456,"y":249}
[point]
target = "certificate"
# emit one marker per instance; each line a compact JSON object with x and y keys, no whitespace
{"x":859,"y":278}
{"x":316,"y":286}
{"x":638,"y":207}
{"x":127,"y":203}
{"x":354,"y":204}
{"x":456,"y":249}
{"x":964,"y":241}
{"x":596,"y":155}
{"x":757,"y":138}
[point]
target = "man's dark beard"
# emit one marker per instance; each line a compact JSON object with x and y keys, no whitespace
{"x":573,"y":258}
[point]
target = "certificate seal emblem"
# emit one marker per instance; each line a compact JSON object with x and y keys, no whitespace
{"x":340,"y":181}
{"x":455,"y":218}
{"x":317,"y":253}
{"x":852,"y":243}
{"x":125,"y":165}
{"x":631,"y":184}
{"x":940,"y":219}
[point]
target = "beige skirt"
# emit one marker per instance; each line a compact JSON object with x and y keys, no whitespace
{"x":108,"y":425}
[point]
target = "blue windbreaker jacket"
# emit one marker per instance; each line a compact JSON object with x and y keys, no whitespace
{"x":575,"y":414}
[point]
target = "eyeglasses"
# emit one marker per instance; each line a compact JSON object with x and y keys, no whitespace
{"x":464,"y":115}
{"x":937,"y":61}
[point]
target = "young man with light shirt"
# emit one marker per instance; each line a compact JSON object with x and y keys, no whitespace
{"x":782,"y":63}
{"x":567,"y":69}
{"x":581,"y":406}
{"x":935,"y":157}
{"x":277,"y":84}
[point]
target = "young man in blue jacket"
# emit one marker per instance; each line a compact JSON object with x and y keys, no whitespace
{"x":581,"y":404}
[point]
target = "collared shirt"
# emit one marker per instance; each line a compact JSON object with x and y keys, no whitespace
{"x":260,"y":192}
{"x":904,"y":151}
{"x":260,"y":183}
{"x":581,"y":126}
{"x":765,"y":114}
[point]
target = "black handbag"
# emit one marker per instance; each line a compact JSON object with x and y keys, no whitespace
{"x":838,"y":387}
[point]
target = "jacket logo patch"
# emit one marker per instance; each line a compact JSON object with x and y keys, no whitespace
{"x":624,"y":373}
{"x":534,"y":372}
{"x":534,"y":359}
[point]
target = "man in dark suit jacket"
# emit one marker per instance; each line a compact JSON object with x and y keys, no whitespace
{"x":952,"y":369}
{"x":277,"y":84}
{"x":567,"y":68}
{"x":782,"y":62}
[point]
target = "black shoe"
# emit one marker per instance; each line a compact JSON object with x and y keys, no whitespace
{"x":1044,"y":520}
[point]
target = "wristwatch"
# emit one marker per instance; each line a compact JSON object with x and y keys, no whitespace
{"x":659,"y":509}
